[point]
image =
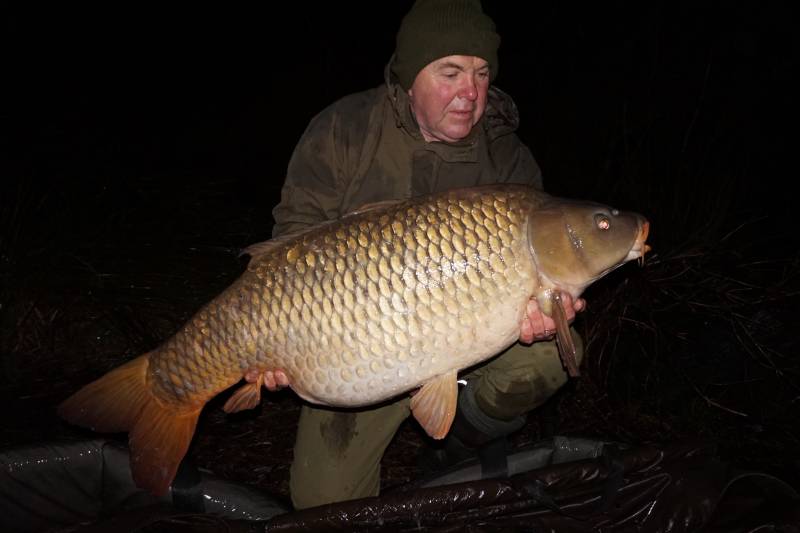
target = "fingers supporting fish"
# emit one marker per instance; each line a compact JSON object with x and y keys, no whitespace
{"x":537,"y":326}
{"x":248,"y":396}
{"x":533,"y":327}
{"x":275,"y":380}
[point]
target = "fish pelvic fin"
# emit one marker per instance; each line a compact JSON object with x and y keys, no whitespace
{"x":159,"y":432}
{"x":434,"y":405}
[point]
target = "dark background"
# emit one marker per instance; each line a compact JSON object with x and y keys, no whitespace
{"x":143,"y":147}
{"x":673,"y":104}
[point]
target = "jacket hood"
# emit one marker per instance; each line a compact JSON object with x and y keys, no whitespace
{"x":501,"y":116}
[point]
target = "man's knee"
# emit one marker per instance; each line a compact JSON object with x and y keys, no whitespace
{"x":337,"y":454}
{"x":321,"y":471}
{"x":313,"y":483}
{"x":529,"y":377}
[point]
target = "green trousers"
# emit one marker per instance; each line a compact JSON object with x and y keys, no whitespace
{"x":337,"y":453}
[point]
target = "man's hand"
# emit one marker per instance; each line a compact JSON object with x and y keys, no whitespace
{"x":536,"y":326}
{"x":275,"y":380}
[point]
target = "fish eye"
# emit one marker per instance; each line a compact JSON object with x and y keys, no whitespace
{"x":602,"y":222}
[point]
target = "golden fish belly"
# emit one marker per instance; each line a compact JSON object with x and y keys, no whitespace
{"x":378,"y":369}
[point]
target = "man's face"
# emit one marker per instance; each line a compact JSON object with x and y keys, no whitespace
{"x":448,"y":97}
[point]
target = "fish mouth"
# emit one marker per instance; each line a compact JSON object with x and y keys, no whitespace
{"x":640,"y":246}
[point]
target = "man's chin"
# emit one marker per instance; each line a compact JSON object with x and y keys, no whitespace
{"x":457,"y":133}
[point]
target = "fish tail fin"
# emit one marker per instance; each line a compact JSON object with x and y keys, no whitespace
{"x":159,"y":433}
{"x":158,"y":443}
{"x":114,"y":402}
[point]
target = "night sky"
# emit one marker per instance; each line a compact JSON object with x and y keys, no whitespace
{"x":655,"y":105}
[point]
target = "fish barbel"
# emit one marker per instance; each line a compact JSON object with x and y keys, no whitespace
{"x":393,"y":297}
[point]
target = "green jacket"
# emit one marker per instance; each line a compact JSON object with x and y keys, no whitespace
{"x":367,"y":147}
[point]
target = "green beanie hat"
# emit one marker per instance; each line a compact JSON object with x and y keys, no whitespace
{"x":434,"y":29}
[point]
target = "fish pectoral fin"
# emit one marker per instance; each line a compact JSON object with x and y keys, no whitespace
{"x":434,"y":406}
{"x":247,"y":396}
{"x":566,"y":346}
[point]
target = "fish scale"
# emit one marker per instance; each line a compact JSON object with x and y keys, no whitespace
{"x":430,"y":291}
{"x":394,"y":297}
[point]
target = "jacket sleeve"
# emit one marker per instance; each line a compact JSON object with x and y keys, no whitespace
{"x":312,"y":191}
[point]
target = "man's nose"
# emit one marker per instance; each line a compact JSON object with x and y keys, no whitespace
{"x":468,"y":90}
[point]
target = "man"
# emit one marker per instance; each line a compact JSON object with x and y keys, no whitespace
{"x":436,"y":124}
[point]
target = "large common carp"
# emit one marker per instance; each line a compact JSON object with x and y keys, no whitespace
{"x":394,"y":297}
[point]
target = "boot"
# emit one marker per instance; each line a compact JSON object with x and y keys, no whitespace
{"x":473,"y":435}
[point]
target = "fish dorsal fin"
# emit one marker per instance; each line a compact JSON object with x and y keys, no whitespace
{"x":262,"y":248}
{"x":434,"y":406}
{"x":566,"y":346}
{"x":372,"y":206}
{"x":265,"y":247}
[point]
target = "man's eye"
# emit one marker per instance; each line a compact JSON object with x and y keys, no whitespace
{"x":450,"y":75}
{"x":484,"y":74}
